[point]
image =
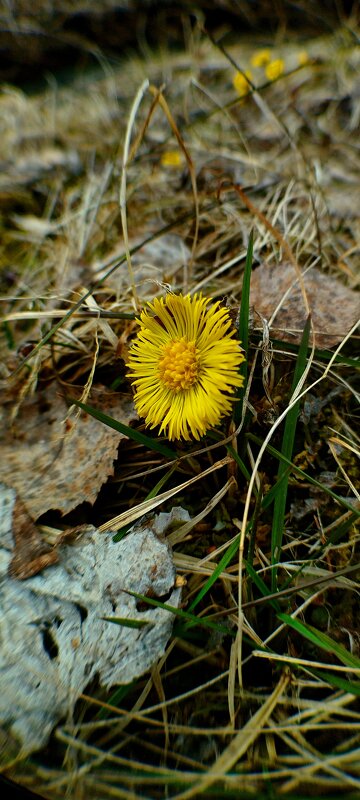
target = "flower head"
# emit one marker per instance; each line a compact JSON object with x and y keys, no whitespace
{"x":275,"y":69}
{"x":303,"y":58}
{"x":241,"y":82}
{"x":171,"y":158}
{"x":184,"y":365}
{"x":260,"y":58}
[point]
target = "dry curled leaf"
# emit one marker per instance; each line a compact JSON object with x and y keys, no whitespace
{"x":58,"y":463}
{"x":334,"y":307}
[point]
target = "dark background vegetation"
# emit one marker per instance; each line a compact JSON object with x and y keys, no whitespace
{"x":59,"y":35}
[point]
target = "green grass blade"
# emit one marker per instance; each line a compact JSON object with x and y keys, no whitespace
{"x":270,"y":496}
{"x":244,"y":326}
{"x":294,"y":468}
{"x":161,"y":483}
{"x":336,"y":680}
{"x":338,"y":533}
{"x":321,"y":640}
{"x":254,"y":522}
{"x":116,"y":699}
{"x":287,"y":450}
{"x":132,"y":433}
{"x":129,"y":623}
{"x":204,"y":622}
{"x":243,"y":469}
{"x":261,"y":585}
{"x":223,"y":563}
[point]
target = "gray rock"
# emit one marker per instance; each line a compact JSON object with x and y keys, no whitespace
{"x":54,"y":639}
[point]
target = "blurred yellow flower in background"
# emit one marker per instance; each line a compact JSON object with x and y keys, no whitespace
{"x":260,"y":58}
{"x":241,"y":82}
{"x":275,"y":69}
{"x":171,"y":158}
{"x":303,"y":58}
{"x":184,"y":365}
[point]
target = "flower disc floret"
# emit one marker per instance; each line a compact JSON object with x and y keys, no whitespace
{"x":178,"y":367}
{"x":184,"y":365}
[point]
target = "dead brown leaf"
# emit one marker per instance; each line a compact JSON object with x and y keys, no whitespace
{"x":31,"y":554}
{"x":58,"y":463}
{"x":333,"y":306}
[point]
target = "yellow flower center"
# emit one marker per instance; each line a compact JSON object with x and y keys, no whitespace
{"x":178,"y":365}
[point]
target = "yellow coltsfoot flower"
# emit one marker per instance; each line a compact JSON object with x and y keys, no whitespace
{"x":171,"y":158}
{"x":260,"y":58}
{"x":184,"y":365}
{"x":241,"y":82}
{"x":303,"y":58}
{"x":275,"y":69}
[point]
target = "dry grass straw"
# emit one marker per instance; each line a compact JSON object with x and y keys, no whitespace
{"x":86,"y":183}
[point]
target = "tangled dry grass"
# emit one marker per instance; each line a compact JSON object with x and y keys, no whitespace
{"x":152,"y":172}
